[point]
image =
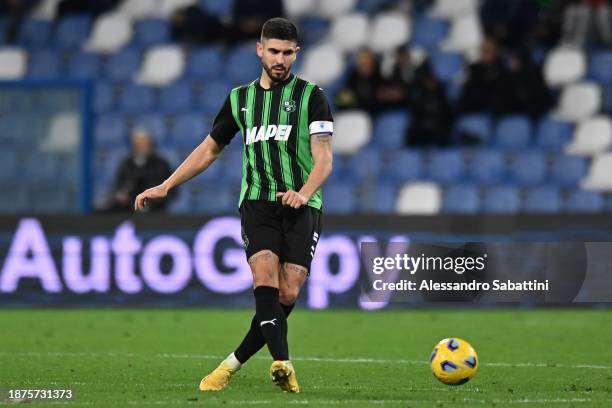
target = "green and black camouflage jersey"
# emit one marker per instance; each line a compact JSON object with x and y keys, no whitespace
{"x":276,"y":126}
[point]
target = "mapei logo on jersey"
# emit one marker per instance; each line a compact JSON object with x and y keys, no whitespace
{"x":257,"y":134}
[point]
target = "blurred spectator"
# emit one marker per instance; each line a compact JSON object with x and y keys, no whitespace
{"x":16,"y":11}
{"x":360,"y":90}
{"x":249,"y":15}
{"x":510,"y":23}
{"x":431,"y":113}
{"x":393,"y":90}
{"x":528,"y":91}
{"x":193,"y":25}
{"x":584,"y":20}
{"x":94,"y":7}
{"x":486,"y":87}
{"x":143,"y":169}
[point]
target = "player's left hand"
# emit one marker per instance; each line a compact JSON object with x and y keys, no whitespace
{"x":292,"y":198}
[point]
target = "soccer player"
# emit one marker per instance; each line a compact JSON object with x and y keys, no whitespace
{"x":286,"y":127}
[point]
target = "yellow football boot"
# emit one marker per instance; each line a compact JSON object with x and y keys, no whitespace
{"x":283,"y":375}
{"x":218,"y":379}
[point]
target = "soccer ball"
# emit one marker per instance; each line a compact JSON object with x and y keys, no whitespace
{"x":454,"y":361}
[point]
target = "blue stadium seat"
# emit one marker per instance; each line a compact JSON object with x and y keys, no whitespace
{"x":488,"y":167}
{"x":70,"y":168}
{"x":513,"y":132}
{"x":528,"y":168}
{"x":339,"y":198}
{"x":212,"y":175}
{"x":72,"y":31}
{"x":402,"y":166}
{"x":34,"y":33}
{"x":182,"y":203}
{"x":135,"y":99}
{"x":461,"y":200}
{"x":155,"y":123}
{"x":553,"y":134}
{"x":41,"y":167}
{"x":428,"y":32}
{"x":366,"y":164}
{"x":49,"y":200}
{"x":18,"y":203}
{"x":543,"y":199}
{"x":312,"y":29}
{"x":106,"y":163}
{"x":447,"y":66}
{"x":501,"y":200}
{"x":342,"y":170}
{"x":188,"y":131}
{"x":85,"y":65}
{"x":103,"y":97}
{"x":567,"y":171}
{"x":600,"y":67}
{"x":10,"y":168}
{"x":446,"y":166}
{"x":232,"y":165}
{"x":151,"y":31}
{"x":607,"y":99}
{"x":110,"y":131}
{"x":123,"y":65}
{"x":176,"y":98}
{"x":390,"y":130}
{"x":476,"y":125}
{"x":581,"y":201}
{"x":212,"y":97}
{"x":213,"y":199}
{"x":44,"y":64}
{"x":205,"y":64}
{"x":3,"y":26}
{"x":378,"y":198}
{"x":242,"y":65}
{"x":217,"y":8}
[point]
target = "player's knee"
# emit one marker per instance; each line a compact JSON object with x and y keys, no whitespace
{"x":265,"y":267}
{"x":288,"y":296}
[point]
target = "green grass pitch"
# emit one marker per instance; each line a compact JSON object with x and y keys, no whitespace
{"x":149,"y":358}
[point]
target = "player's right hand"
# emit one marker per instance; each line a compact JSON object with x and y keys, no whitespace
{"x":153,"y":193}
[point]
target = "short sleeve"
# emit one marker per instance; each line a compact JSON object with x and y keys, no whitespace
{"x":224,"y":127}
{"x":320,"y":119}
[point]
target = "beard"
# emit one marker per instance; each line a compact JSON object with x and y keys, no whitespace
{"x":276,"y":76}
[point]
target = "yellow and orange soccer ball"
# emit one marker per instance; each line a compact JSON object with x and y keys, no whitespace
{"x":454,"y":361}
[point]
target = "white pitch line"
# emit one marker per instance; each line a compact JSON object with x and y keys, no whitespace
{"x":298,"y":358}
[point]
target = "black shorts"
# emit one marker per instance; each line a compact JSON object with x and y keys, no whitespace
{"x":291,"y":234}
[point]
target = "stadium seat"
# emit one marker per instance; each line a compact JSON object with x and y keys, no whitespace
{"x":205,"y":64}
{"x":580,"y":201}
{"x":543,"y":199}
{"x":461,"y":200}
{"x":12,"y":63}
{"x":242,"y":65}
{"x":34,"y":33}
{"x":123,"y":65}
{"x":366,"y":164}
{"x":465,"y":35}
{"x":428,"y":32}
{"x":598,"y":177}
{"x":167,"y":7}
{"x":139,"y":9}
{"x":488,"y":167}
{"x":214,"y":200}
{"x":299,"y":8}
{"x":154,"y":123}
{"x":151,"y":31}
{"x":109,"y":131}
{"x":212,"y":97}
{"x":388,"y":31}
{"x":350,"y":31}
{"x":403,"y":166}
{"x":18,"y":203}
{"x":103,"y":97}
{"x":217,"y":8}
{"x":162,"y":65}
{"x":419,"y":198}
{"x":232,"y":166}
{"x":476,"y":125}
{"x":331,"y":9}
{"x":552,"y":135}
{"x":110,"y":33}
{"x":447,"y":66}
{"x":41,"y":167}
{"x":339,"y":198}
{"x":564,"y":66}
{"x":50,"y":200}
{"x":44,"y":64}
{"x":446,"y":166}
{"x":378,"y":198}
{"x":528,"y":168}
{"x":176,"y":98}
{"x":449,"y":9}
{"x":135,"y":99}
{"x":188,"y":131}
{"x":352,"y":130}
{"x":72,"y":30}
{"x":600,"y":67}
{"x":579,"y":101}
{"x":323,"y":74}
{"x":513,"y":132}
{"x":182,"y":203}
{"x":85,"y":65}
{"x":313,"y":29}
{"x":10,"y":168}
{"x":592,"y":136}
{"x":567,"y":171}
{"x":390,"y":130}
{"x":46,"y":10}
{"x":63,"y":133}
{"x":501,"y":200}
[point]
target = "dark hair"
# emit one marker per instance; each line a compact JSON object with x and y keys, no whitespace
{"x":279,"y":28}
